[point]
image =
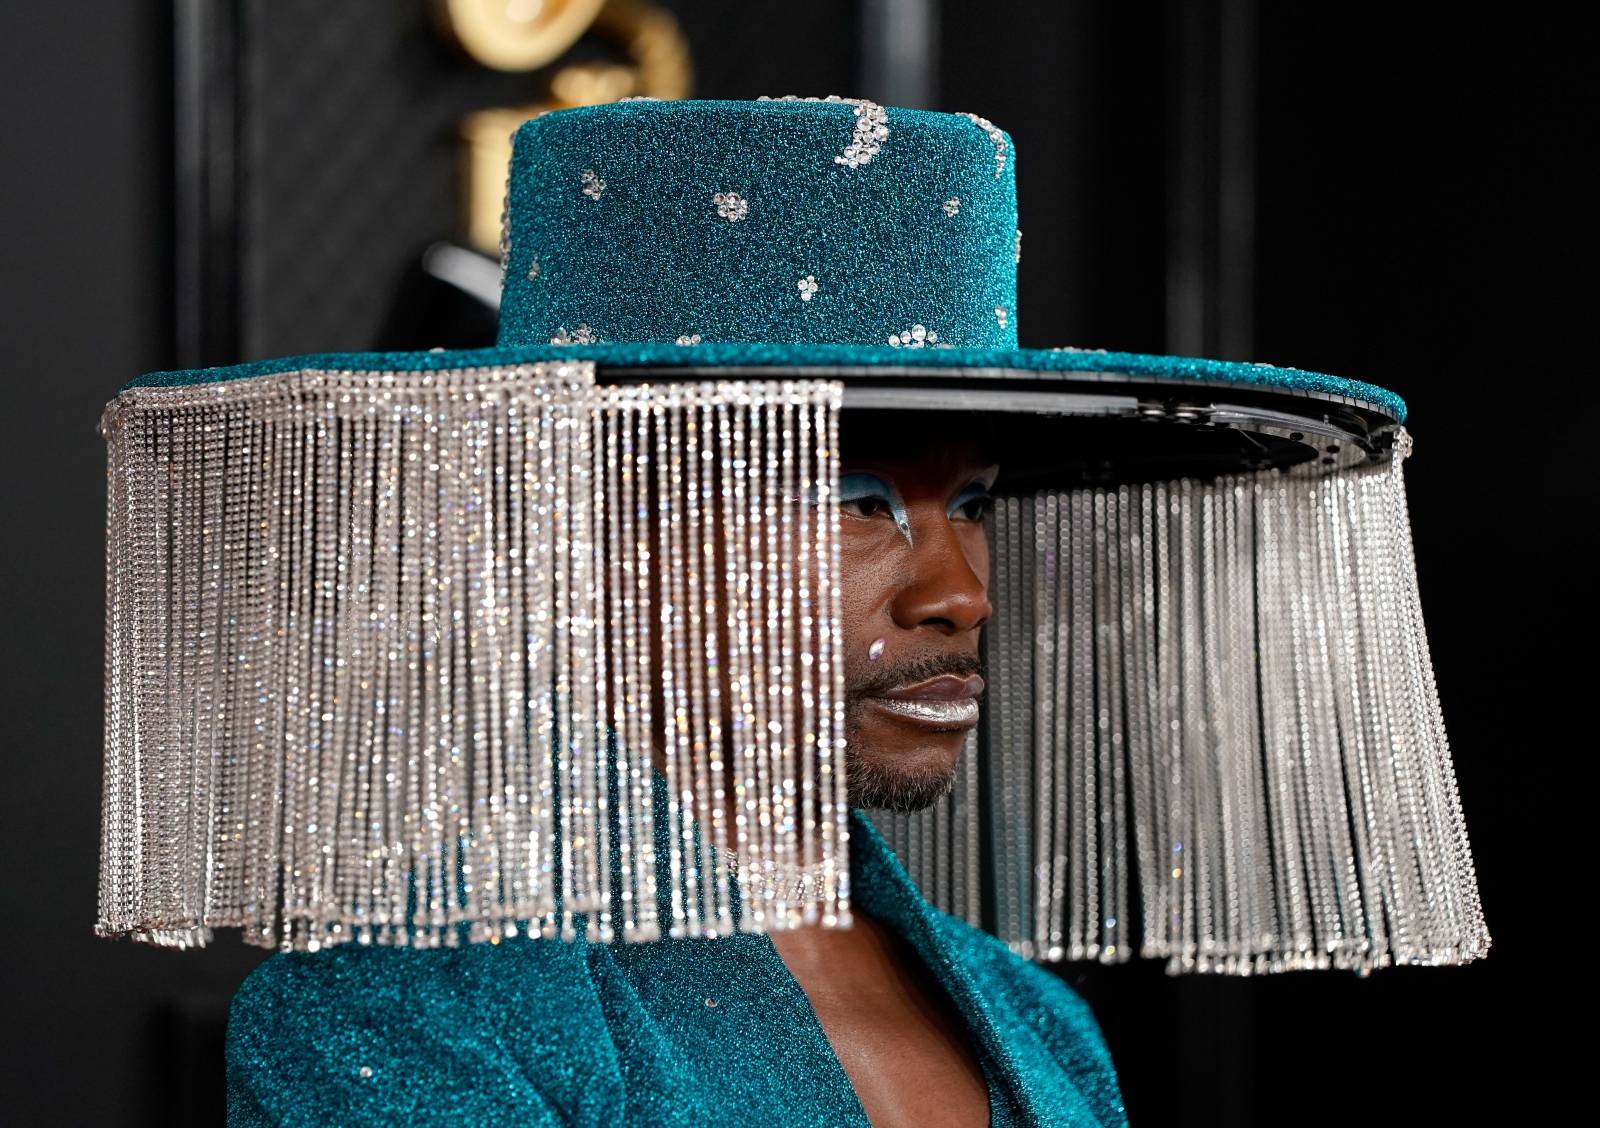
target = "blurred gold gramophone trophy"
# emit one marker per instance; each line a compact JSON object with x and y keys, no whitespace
{"x":629,"y":48}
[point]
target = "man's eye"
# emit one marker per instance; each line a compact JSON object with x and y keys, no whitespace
{"x":865,"y":506}
{"x":973,"y":509}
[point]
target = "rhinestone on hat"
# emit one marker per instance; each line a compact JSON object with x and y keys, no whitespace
{"x":916,"y":337}
{"x":996,"y":136}
{"x":731,"y":206}
{"x":808,"y":287}
{"x":871,"y":129}
{"x":592,"y":184}
{"x":580,"y":335}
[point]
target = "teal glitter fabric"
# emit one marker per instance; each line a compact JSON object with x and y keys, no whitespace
{"x":650,"y":258}
{"x":638,"y":254}
{"x":535,"y":1031}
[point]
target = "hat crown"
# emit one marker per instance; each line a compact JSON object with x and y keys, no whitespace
{"x":819,"y":221}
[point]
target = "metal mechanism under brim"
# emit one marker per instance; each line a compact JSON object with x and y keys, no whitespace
{"x":1095,"y":428}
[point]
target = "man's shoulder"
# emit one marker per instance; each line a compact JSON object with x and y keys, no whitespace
{"x":374,"y":1034}
{"x":397,"y":980}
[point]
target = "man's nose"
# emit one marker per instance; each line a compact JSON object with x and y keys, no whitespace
{"x":941,"y":590}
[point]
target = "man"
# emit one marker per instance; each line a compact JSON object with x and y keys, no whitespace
{"x":381,"y":629}
{"x":910,"y":1017}
{"x":915,"y":585}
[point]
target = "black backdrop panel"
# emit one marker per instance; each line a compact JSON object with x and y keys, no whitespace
{"x":348,"y":148}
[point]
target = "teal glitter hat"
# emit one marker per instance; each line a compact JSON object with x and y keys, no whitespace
{"x":391,"y":637}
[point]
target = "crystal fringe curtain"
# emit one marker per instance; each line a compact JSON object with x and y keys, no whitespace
{"x":378,"y":648}
{"x":728,"y":493}
{"x":1215,"y":698}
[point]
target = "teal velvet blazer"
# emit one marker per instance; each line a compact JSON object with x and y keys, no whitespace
{"x":673,"y":1032}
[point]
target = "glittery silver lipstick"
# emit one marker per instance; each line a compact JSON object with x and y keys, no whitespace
{"x":950,"y":713}
{"x":946,"y":701}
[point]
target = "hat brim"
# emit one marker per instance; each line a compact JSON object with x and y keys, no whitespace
{"x":1070,"y":414}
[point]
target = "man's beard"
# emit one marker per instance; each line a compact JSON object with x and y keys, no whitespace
{"x":870,"y":780}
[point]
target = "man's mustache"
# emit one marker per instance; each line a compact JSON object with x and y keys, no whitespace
{"x":884,"y":676}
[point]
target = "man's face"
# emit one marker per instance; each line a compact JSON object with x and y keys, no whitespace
{"x":913,"y":581}
{"x":915,"y":575}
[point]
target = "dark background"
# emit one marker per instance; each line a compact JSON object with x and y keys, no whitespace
{"x":1384,"y":192}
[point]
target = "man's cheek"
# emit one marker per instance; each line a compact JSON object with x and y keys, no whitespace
{"x":855,"y":594}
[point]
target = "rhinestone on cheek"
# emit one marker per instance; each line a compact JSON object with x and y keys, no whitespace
{"x":875,"y":651}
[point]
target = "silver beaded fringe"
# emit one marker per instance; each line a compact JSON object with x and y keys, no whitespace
{"x":386,"y":654}
{"x":378,"y":653}
{"x":1216,"y":698}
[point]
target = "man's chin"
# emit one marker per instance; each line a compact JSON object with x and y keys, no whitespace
{"x":902,"y":796}
{"x":904,"y":779}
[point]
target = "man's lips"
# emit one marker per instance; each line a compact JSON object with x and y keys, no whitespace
{"x":945,"y":702}
{"x":945,"y":687}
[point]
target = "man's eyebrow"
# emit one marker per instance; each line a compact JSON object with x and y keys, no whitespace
{"x":985,"y":477}
{"x":873,"y":474}
{"x":869,"y":478}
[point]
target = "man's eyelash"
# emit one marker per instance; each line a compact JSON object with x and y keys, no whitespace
{"x":973,"y":496}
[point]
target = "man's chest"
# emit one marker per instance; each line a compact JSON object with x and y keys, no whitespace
{"x":908,"y":1060}
{"x":899,"y":1038}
